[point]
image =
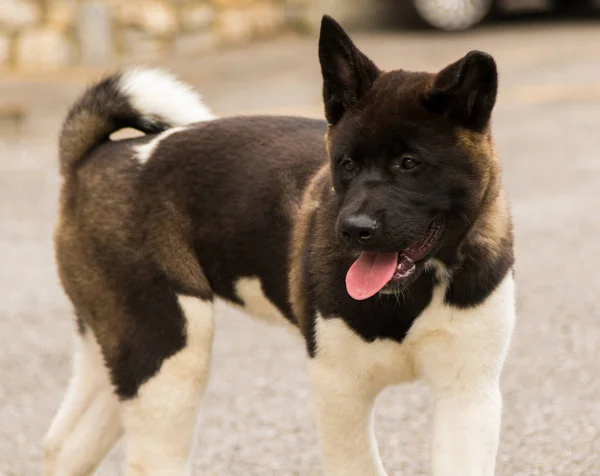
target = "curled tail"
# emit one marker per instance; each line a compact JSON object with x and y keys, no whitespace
{"x":149,"y":100}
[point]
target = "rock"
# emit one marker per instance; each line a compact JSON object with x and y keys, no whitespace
{"x":267,"y":18}
{"x":127,"y":13}
{"x":233,"y":26}
{"x":239,"y":25}
{"x":159,"y":18}
{"x":4,"y":51}
{"x":302,"y":14}
{"x":152,"y":16}
{"x":360,"y":14}
{"x":196,"y":17}
{"x":42,"y":48}
{"x":94,"y":33}
{"x":15,"y":14}
{"x":142,"y":46}
{"x":60,"y":14}
{"x":190,"y":44}
{"x":232,"y":3}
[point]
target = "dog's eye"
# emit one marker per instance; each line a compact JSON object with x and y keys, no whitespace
{"x":409,"y":163}
{"x":349,"y":165}
{"x":404,"y":164}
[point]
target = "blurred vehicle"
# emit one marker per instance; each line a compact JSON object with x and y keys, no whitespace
{"x":457,"y":15}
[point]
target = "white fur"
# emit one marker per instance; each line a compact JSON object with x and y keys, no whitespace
{"x":160,"y":421}
{"x":88,"y":422}
{"x":145,"y":151}
{"x":459,"y":352}
{"x":442,"y":273}
{"x":347,"y":374}
{"x":345,"y":383}
{"x":155,"y":92}
{"x":250,"y":291}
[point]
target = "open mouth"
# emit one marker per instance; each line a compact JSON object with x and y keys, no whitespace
{"x":371,"y":272}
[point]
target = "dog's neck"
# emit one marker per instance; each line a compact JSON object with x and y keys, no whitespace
{"x":485,"y":254}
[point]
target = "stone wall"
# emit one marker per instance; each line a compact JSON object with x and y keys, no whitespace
{"x":50,"y":34}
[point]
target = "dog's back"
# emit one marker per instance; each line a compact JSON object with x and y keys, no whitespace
{"x":221,"y":193}
{"x":152,"y":228}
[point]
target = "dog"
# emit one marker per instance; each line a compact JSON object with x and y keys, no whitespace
{"x":383,"y":235}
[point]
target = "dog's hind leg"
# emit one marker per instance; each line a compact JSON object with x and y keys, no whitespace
{"x":160,"y":418}
{"x":88,"y":423}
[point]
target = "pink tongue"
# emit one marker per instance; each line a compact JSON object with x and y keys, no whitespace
{"x":369,"y":273}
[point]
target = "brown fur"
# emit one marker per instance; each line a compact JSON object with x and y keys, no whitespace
{"x":493,"y":227}
{"x":303,"y":227}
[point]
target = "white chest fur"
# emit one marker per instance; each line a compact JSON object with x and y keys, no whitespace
{"x":440,"y":335}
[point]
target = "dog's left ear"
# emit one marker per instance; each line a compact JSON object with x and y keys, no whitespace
{"x":347,"y":73}
{"x":466,"y":90}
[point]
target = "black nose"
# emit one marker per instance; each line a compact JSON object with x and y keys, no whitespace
{"x":358,"y":228}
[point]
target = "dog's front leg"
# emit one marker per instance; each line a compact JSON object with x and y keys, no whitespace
{"x":466,"y":430}
{"x":344,"y":414}
{"x":461,"y":355}
{"x":345,"y":383}
{"x":468,"y":404}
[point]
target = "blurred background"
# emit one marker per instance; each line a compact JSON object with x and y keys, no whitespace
{"x":260,"y":56}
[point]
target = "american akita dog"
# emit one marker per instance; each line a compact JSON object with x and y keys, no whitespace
{"x":388,"y":244}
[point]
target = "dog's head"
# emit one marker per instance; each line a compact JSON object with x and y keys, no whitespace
{"x":411,"y":157}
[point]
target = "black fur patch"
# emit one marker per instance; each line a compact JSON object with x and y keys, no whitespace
{"x":384,"y":316}
{"x":155,"y":332}
{"x":479,"y":275}
{"x":239,"y":180}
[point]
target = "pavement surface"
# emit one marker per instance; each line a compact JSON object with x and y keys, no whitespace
{"x":257,"y":414}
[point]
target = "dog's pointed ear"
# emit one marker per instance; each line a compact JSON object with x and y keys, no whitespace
{"x":466,"y":90}
{"x":347,"y":73}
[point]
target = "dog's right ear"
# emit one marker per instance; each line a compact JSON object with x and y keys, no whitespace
{"x":347,"y":73}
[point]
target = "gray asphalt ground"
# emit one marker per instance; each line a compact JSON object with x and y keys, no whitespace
{"x":257,"y":414}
